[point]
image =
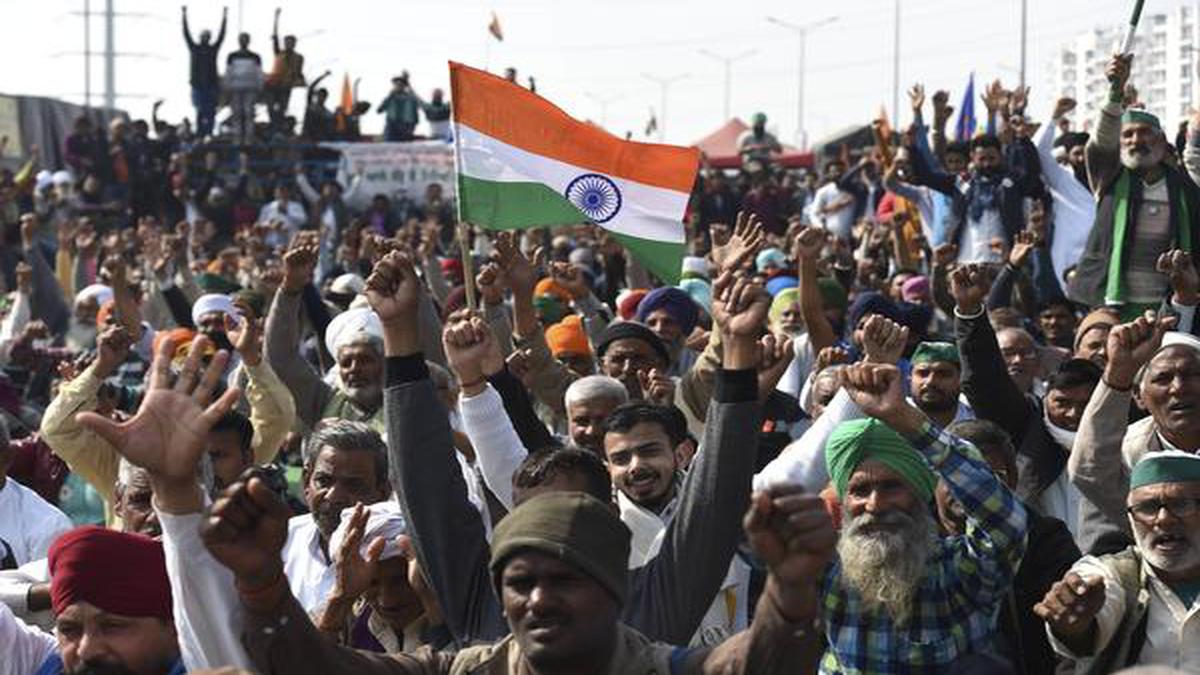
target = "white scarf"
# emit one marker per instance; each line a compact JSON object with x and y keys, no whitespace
{"x":647,"y":528}
{"x":1063,"y":437}
{"x":727,"y":614}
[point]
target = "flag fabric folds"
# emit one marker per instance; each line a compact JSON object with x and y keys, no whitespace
{"x":494,"y":28}
{"x":523,"y":162}
{"x":964,"y":130}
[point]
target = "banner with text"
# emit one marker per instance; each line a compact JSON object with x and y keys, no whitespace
{"x":399,"y":170}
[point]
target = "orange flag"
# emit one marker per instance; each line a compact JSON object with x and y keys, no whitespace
{"x":347,"y":105}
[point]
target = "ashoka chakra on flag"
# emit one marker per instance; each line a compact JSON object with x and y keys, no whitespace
{"x":598,"y":197}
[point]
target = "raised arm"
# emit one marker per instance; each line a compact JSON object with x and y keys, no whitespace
{"x":1096,"y":466}
{"x":447,"y":531}
{"x":1103,"y":149}
{"x":282,"y":339}
{"x":808,"y":249}
{"x":272,"y":410}
{"x":275,"y":31}
{"x":932,"y":177}
{"x":187,"y":34}
{"x":221,"y":33}
{"x":474,"y":356}
{"x":985,"y":378}
{"x":203,"y":597}
{"x":942,"y":110}
{"x":677,"y":586}
{"x":550,"y":378}
{"x":802,"y":462}
{"x":245,"y":530}
{"x":89,"y":455}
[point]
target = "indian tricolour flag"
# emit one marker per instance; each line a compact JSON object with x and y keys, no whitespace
{"x":523,"y":162}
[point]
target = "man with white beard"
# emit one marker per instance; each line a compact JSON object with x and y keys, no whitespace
{"x":899,"y":598}
{"x":1146,"y":206}
{"x":82,"y":331}
{"x":354,"y":338}
{"x":1138,"y":606}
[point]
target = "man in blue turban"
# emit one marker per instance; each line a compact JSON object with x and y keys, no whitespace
{"x":672,"y":314}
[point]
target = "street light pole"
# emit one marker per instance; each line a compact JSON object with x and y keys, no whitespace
{"x":664,"y":84}
{"x":1024,"y":28}
{"x":603,"y":102}
{"x":728,"y":61}
{"x":896,"y":68}
{"x":801,"y":32}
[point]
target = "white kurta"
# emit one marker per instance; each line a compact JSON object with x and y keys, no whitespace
{"x":1172,"y":630}
{"x":204,"y":600}
{"x":28,"y":523}
{"x":309,"y":572}
{"x":23,"y":648}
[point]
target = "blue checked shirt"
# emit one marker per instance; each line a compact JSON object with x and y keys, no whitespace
{"x":966,"y":579}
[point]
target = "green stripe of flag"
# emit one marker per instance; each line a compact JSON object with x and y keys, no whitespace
{"x":663,"y":258}
{"x":509,"y":206}
{"x":513,"y":205}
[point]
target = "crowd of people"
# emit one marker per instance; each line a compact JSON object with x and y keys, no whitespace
{"x":876,"y":427}
{"x":245,"y":84}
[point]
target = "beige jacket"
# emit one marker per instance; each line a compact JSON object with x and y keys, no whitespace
{"x":271,"y":412}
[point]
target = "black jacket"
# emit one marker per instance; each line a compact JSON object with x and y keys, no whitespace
{"x":1050,"y":553}
{"x":1022,"y":179}
{"x":995,"y":397}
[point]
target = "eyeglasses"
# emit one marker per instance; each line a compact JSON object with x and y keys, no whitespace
{"x":1181,"y":507}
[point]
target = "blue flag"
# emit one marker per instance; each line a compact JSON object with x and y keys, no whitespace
{"x":964,"y":130}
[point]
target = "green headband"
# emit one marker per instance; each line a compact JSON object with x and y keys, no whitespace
{"x":854,"y":442}
{"x":1135,"y":116}
{"x":550,"y":307}
{"x":929,"y":352}
{"x":1170,"y":466}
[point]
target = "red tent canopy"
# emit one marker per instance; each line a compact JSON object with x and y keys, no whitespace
{"x":721,"y":151}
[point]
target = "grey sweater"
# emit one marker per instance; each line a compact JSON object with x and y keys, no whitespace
{"x":668,"y":596}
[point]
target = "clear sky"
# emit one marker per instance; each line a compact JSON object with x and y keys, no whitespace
{"x":580,"y":52}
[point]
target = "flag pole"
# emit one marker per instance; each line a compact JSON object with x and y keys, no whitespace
{"x":1127,"y":43}
{"x":468,"y":266}
{"x":461,"y":226}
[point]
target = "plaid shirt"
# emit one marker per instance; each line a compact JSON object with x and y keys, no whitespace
{"x":966,"y":579}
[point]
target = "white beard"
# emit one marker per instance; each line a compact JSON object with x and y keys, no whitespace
{"x":1139,"y":161}
{"x":1144,"y":536}
{"x":886,"y":567}
{"x":81,"y":336}
{"x":368,"y":397}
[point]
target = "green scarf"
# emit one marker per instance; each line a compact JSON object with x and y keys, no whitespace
{"x":1114,"y":291}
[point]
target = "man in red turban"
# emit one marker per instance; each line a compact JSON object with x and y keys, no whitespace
{"x":112,"y":603}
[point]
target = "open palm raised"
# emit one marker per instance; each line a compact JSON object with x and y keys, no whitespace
{"x":167,"y":435}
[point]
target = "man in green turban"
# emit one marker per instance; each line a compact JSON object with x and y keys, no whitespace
{"x":936,"y":383}
{"x":1138,"y":606}
{"x":894,"y":574}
